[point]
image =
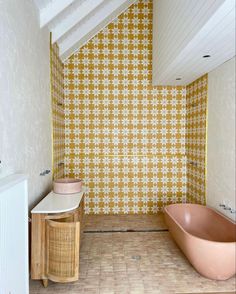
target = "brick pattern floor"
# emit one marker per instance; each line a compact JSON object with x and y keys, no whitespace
{"x":124,"y":222}
{"x":133,"y":263}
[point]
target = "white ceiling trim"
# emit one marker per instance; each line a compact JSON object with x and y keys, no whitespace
{"x":52,"y":9}
{"x":88,"y":28}
{"x":74,"y":22}
{"x":73,"y":18}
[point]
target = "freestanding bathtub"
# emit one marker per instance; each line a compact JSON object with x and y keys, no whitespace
{"x":206,"y":237}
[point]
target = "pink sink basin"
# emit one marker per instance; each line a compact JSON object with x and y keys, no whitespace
{"x":67,"y":186}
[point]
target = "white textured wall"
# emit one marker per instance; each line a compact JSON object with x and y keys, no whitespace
{"x":25,"y":114}
{"x":221,"y":137}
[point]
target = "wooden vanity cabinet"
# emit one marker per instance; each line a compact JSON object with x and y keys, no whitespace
{"x":55,"y":245}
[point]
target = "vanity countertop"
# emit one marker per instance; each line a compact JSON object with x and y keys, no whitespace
{"x":58,"y":203}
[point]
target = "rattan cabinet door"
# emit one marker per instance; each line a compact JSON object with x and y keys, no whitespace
{"x":62,"y":251}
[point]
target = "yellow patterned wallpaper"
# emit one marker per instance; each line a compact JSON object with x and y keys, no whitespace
{"x":124,"y":137}
{"x":196,"y":98}
{"x":57,"y":96}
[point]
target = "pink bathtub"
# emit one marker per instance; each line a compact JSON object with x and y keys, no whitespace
{"x":207,"y":239}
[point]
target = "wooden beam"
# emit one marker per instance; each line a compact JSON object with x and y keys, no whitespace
{"x":76,"y":15}
{"x":52,"y":9}
{"x":91,"y":26}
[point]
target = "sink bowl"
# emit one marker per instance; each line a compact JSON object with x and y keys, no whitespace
{"x":67,"y":186}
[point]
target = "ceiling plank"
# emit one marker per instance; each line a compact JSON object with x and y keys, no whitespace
{"x":179,"y":43}
{"x":221,"y":26}
{"x":91,"y":26}
{"x":52,"y":9}
{"x":79,"y":13}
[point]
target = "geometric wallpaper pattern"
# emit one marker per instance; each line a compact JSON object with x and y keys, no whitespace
{"x":124,"y":137}
{"x":58,"y":118}
{"x":196,"y":99}
{"x":136,"y":147}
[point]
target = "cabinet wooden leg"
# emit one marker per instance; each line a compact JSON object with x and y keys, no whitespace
{"x":45,"y":283}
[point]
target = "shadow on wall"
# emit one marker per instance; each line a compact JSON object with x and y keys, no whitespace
{"x":196,"y":105}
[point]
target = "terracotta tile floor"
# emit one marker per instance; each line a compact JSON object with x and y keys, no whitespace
{"x":124,"y":222}
{"x":133,"y":262}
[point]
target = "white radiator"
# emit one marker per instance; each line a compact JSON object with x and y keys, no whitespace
{"x":14,"y":273}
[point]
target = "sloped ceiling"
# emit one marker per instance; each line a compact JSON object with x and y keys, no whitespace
{"x":74,"y":22}
{"x":186,"y":30}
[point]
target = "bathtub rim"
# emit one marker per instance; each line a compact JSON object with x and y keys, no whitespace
{"x":191,"y":235}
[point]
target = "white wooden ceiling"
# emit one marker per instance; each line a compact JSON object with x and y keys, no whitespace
{"x":74,"y":22}
{"x":186,"y":30}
